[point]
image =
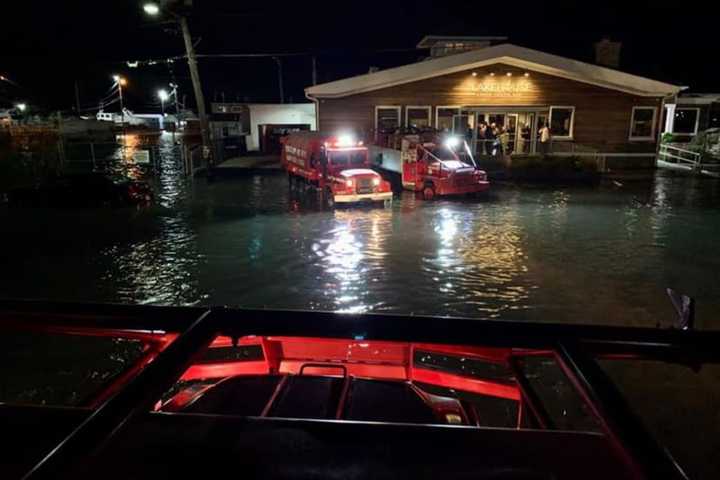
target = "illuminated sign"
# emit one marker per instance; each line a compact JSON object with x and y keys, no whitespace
{"x":497,"y":87}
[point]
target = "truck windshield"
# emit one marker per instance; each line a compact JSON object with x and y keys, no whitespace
{"x":348,"y":159}
{"x":442,"y":153}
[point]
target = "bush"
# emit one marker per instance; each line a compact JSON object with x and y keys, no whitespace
{"x":667,"y":137}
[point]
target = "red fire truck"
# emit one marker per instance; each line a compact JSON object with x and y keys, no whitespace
{"x":338,"y":166}
{"x":434,"y":168}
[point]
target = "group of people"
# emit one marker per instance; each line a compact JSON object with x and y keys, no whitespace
{"x":494,"y":139}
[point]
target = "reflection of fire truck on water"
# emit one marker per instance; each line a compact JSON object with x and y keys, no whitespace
{"x":434,"y":168}
{"x":338,"y":166}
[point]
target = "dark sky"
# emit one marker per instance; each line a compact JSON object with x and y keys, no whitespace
{"x":46,"y":46}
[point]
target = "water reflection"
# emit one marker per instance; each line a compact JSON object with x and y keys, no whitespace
{"x":352,"y":257}
{"x":479,"y":260}
{"x":161,"y":269}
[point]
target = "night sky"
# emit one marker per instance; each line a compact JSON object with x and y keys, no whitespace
{"x":45,"y":47}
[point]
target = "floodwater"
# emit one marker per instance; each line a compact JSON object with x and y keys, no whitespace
{"x":600,"y":255}
{"x":596,"y":255}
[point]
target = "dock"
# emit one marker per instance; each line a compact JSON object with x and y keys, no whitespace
{"x":249,"y":164}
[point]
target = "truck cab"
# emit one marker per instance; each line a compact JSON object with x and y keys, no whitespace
{"x":434,"y":168}
{"x":338,"y":166}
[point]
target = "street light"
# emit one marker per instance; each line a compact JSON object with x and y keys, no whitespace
{"x":21,"y":106}
{"x":151,"y":8}
{"x":121,"y":82}
{"x":163,"y":96}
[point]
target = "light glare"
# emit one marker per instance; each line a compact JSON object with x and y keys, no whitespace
{"x":151,"y":8}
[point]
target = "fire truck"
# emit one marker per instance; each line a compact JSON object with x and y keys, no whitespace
{"x":338,"y":166}
{"x":435,"y":168}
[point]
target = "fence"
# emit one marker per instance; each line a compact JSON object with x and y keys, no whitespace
{"x":678,"y":157}
{"x":193,"y":160}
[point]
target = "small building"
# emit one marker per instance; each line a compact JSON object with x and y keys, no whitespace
{"x":261,"y":124}
{"x":591,"y":110}
{"x":691,"y":113}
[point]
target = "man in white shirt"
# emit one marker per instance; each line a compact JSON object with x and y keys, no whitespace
{"x":544,"y":133}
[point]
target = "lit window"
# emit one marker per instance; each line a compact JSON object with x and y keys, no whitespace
{"x":387,"y":119}
{"x":444,"y":118}
{"x":642,"y":123}
{"x":561,"y":122}
{"x":418,"y":117}
{"x":686,"y":121}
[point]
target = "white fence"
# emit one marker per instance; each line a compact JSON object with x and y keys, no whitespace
{"x":675,"y":157}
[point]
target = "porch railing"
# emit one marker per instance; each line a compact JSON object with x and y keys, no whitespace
{"x":678,"y":157}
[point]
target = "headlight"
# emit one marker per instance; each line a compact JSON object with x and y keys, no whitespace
{"x":376,"y":182}
{"x":349,"y":183}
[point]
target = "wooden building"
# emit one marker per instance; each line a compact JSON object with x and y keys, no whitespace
{"x":590,"y":109}
{"x":692,"y":113}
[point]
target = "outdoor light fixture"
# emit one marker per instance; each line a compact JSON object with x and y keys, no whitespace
{"x":509,"y":74}
{"x":151,"y":8}
{"x":452,"y":142}
{"x":21,"y":106}
{"x":527,"y":74}
{"x":492,"y":74}
{"x":163,"y":95}
{"x":116,"y":78}
{"x":474,"y":74}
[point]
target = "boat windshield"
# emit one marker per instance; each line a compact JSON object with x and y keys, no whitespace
{"x":348,"y":158}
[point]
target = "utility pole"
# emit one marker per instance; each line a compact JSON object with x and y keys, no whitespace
{"x":77,"y":97}
{"x":197,"y":87}
{"x":175,"y":94}
{"x":314,"y":70}
{"x":280,"y":79}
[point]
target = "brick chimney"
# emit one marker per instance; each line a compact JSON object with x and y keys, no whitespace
{"x":607,"y":53}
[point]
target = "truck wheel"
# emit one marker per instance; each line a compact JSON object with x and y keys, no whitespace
{"x":428,"y":193}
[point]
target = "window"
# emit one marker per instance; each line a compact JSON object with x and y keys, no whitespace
{"x":642,"y":123}
{"x":686,"y":121}
{"x":418,"y":117}
{"x":348,"y":159}
{"x":387,"y":119}
{"x":561,"y":122}
{"x":444,"y":118}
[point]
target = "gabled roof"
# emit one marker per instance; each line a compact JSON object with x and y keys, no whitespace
{"x":506,"y":53}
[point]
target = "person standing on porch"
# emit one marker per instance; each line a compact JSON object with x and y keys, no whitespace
{"x":490,"y":139}
{"x":544,"y":134}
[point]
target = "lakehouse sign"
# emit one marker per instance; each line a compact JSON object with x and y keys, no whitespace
{"x":502,"y":87}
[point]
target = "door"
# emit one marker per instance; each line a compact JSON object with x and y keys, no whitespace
{"x":524,"y":133}
{"x":511,"y":126}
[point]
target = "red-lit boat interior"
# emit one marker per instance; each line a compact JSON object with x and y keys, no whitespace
{"x":313,"y":395}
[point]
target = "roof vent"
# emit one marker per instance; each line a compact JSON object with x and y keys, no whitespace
{"x":441,"y":46}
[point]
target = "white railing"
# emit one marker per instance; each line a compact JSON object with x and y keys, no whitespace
{"x":678,"y":158}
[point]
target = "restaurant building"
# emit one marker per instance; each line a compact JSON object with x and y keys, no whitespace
{"x":591,"y":110}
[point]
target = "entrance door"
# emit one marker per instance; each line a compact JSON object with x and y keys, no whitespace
{"x":511,"y":125}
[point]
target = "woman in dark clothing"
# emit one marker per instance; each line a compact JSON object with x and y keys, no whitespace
{"x":490,"y":139}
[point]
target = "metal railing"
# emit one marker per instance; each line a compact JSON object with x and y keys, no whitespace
{"x":678,"y":157}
